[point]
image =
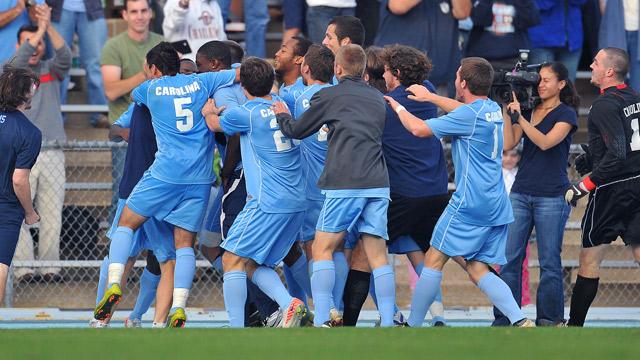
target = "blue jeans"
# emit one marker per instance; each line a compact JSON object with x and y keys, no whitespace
{"x":256,"y":18}
{"x":549,"y":216}
{"x":634,"y":64}
{"x":318,"y":17}
{"x":570,"y":59}
{"x":92,"y":36}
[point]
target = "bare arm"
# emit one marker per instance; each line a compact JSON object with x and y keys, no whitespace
{"x":512,"y":133}
{"x":413,"y":124}
{"x":231,"y":159}
{"x":461,"y":9}
{"x":114,"y":86}
{"x":8,"y":16}
{"x":118,"y":133}
{"x":211,"y":115}
{"x":401,"y":7}
{"x":23,"y":192}
{"x":422,"y":94}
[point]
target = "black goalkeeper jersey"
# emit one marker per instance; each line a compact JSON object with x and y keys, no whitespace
{"x":614,"y":134}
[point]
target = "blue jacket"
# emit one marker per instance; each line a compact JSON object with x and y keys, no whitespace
{"x":560,"y":25}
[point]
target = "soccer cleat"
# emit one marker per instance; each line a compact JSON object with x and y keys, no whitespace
{"x":439,"y":323}
{"x":98,"y":324}
{"x":108,"y":304}
{"x":335,"y":318}
{"x":274,"y":320}
{"x":398,"y":319}
{"x":308,"y":319}
{"x":254,"y":320}
{"x":159,"y":325}
{"x":524,"y":323}
{"x":132,"y":323}
{"x":294,"y":314}
{"x":177,"y":318}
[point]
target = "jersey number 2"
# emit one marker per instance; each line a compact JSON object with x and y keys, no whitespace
{"x":186,"y":124}
{"x":635,"y":137}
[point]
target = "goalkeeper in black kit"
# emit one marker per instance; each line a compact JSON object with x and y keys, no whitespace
{"x":613,"y":185}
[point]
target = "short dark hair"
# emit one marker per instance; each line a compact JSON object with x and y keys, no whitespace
{"x":216,"y":50}
{"x":411,"y":66}
{"x":256,"y":76}
{"x":375,"y":68}
{"x":478,"y":73}
{"x":237,"y":52}
{"x":126,"y":3}
{"x":618,"y":60}
{"x":352,"y":59}
{"x":320,"y":60}
{"x":15,"y":86}
{"x":165,"y":58}
{"x":26,"y":28}
{"x":302,"y":45}
{"x":349,"y":27}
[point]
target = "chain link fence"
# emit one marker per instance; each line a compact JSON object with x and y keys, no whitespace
{"x":57,"y":261}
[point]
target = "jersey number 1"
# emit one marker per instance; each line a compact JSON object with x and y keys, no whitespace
{"x":635,"y":137}
{"x":186,"y":124}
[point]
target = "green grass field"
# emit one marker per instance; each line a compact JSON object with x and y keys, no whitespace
{"x":362,"y":343}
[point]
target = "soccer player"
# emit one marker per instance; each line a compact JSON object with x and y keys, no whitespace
{"x":613,"y":159}
{"x":176,"y":186}
{"x":356,"y":188}
{"x":268,"y":225}
{"x":474,"y":224}
{"x":288,"y":61}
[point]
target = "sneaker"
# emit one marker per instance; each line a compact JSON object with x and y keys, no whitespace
{"x":132,"y":323}
{"x":108,"y":304}
{"x":177,"y":318}
{"x":327,"y":324}
{"x":524,"y":323}
{"x":439,"y":323}
{"x":398,"y":319}
{"x":294,"y":314}
{"x":550,"y":323}
{"x":98,"y":324}
{"x":335,"y":318}
{"x":274,"y":320}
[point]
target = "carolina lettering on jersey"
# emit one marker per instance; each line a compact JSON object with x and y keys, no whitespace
{"x":180,"y":91}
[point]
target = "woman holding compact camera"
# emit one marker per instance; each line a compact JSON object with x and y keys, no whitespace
{"x":537,"y":195}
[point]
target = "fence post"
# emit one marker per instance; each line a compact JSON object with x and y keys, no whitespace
{"x":8,"y":292}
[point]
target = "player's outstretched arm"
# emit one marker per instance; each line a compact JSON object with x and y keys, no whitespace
{"x":310,"y":122}
{"x":422,"y":94}
{"x":211,"y":115}
{"x":413,"y":124}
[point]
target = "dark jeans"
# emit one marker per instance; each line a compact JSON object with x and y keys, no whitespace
{"x":318,"y":17}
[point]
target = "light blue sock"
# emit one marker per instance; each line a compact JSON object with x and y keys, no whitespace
{"x":322,"y":284}
{"x":500,"y":295}
{"x":423,"y":295}
{"x":372,"y":293}
{"x":386,"y":293}
{"x":438,"y":298}
{"x":102,"y":279}
{"x":301,"y":275}
{"x":120,"y":247}
{"x":148,"y":286}
{"x":234,"y":290}
{"x":292,"y":285}
{"x":342,"y":271}
{"x":217,"y":264}
{"x":269,"y":282}
{"x":419,"y":268}
{"x":185,"y":268}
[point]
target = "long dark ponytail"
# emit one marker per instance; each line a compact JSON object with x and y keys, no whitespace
{"x":568,"y":95}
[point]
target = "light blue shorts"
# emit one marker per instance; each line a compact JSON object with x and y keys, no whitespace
{"x":178,"y":204}
{"x":480,"y":243}
{"x":357,"y":214}
{"x":308,"y":230}
{"x":153,"y":235}
{"x":264,"y":237}
{"x":403,"y":245}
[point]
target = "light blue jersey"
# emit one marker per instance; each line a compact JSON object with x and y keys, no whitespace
{"x":124,"y":121}
{"x":314,"y":147}
{"x":185,"y":144}
{"x":272,"y":162}
{"x":476,"y":131}
{"x":291,"y":92}
{"x":230,"y":97}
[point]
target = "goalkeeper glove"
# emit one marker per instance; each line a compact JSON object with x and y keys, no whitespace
{"x":583,"y":163}
{"x":579,"y":190}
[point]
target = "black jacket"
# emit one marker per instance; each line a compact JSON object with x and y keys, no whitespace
{"x":355,"y":114}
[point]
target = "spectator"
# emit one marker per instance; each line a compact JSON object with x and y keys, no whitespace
{"x":197,"y":21}
{"x":12,"y":17}
{"x":256,"y":18}
{"x":86,"y":19}
{"x":500,"y":30}
{"x":121,"y":66}
{"x":368,"y":11}
{"x":622,"y":34}
{"x":434,"y":30}
{"x":559,"y":36}
{"x":20,"y":144}
{"x":537,"y":195}
{"x":320,"y":13}
{"x":48,"y":174}
{"x":294,"y":12}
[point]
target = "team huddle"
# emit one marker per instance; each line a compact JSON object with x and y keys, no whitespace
{"x":326,"y":178}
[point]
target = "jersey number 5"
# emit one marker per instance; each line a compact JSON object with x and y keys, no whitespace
{"x":635,"y":137}
{"x":185,"y":124}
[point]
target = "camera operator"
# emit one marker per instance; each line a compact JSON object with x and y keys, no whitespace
{"x":537,"y":195}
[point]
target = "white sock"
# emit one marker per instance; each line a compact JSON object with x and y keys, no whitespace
{"x":180,"y":296}
{"x":436,"y":309}
{"x":115,"y":273}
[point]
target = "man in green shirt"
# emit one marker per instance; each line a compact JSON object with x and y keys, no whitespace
{"x":123,"y":55}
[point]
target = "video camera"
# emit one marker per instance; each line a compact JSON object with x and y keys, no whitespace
{"x":523,"y":80}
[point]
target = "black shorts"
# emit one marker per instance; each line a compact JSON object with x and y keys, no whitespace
{"x":415,"y":217}
{"x":10,"y":223}
{"x":233,"y":201}
{"x":613,"y":210}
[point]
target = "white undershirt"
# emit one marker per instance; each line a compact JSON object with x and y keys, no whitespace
{"x":631,"y":15}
